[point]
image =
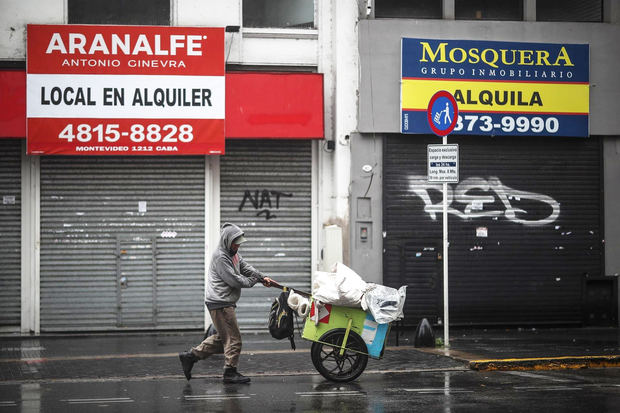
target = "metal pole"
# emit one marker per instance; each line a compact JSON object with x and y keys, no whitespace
{"x":446,"y":327}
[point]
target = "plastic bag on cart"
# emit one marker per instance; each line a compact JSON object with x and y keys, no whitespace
{"x":343,"y":287}
{"x":384,"y":303}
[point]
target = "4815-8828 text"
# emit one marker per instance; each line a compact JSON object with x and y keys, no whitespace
{"x":137,"y":133}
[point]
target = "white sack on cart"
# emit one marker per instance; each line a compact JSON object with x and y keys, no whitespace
{"x":324,"y":287}
{"x":384,"y":303}
{"x":343,"y":287}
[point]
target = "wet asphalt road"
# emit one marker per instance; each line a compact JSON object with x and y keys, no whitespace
{"x":142,"y":373}
{"x":591,"y":390}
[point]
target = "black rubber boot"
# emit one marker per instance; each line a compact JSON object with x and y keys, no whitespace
{"x":231,"y":375}
{"x":187,"y":361}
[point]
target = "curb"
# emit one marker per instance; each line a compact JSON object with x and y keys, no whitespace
{"x":546,"y":363}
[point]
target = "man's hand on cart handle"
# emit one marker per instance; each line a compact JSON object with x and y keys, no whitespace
{"x":275,"y":284}
{"x":268,"y":282}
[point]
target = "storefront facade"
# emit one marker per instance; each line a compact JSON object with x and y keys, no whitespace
{"x":524,"y":229}
{"x":530,"y":225}
{"x":123,"y":237}
{"x":266,"y":187}
{"x":121,"y":241}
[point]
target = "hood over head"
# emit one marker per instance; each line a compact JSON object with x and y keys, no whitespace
{"x":228,"y":235}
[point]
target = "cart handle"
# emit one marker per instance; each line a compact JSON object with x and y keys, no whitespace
{"x":285,"y":288}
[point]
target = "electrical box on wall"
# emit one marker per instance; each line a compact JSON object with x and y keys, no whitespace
{"x":363,"y":224}
{"x":363,"y":238}
{"x":332,"y":251}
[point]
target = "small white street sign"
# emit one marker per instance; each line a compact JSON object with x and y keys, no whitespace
{"x":443,"y":163}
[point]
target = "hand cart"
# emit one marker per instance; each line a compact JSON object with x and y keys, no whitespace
{"x":342,"y":339}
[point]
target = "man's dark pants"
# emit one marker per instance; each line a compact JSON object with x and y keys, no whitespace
{"x":227,"y":340}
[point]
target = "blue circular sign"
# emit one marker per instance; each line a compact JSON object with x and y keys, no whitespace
{"x":442,"y":113}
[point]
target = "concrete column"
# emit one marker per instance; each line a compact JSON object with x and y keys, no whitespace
{"x":212,"y":216}
{"x":338,"y":61}
{"x":325,"y":152}
{"x":529,"y":10}
{"x":346,"y":57}
{"x":30,"y":244}
{"x":448,"y":10}
{"x":611,"y":162}
{"x":367,"y":206}
{"x":611,"y":11}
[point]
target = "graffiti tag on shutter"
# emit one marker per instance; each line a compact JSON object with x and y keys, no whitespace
{"x":475,"y":204}
{"x":262,"y":201}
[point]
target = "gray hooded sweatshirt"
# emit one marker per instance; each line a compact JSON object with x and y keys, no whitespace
{"x":228,"y":273}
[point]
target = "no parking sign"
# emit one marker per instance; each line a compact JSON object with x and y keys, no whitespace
{"x":442,"y":113}
{"x":443,"y":166}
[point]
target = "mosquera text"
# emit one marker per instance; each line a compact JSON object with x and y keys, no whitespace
{"x":508,"y":57}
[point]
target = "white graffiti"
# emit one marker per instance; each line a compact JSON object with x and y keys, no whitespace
{"x":475,"y":205}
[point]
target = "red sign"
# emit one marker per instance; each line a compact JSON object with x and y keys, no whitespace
{"x":125,"y":90}
{"x":324,"y":311}
{"x":274,"y":105}
{"x":12,"y":103}
{"x":442,"y":113}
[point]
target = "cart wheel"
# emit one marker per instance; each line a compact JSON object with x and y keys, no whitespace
{"x":333,"y":366}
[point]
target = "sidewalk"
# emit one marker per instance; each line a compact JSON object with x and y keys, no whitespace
{"x":531,"y":348}
{"x":155,"y":355}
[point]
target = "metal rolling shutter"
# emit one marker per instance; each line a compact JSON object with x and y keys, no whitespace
{"x":94,"y":233}
{"x":10,"y":232}
{"x":266,"y":190}
{"x":530,"y":267}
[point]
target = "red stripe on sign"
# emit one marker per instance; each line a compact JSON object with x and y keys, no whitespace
{"x":135,"y":50}
{"x":125,"y":136}
{"x":507,"y":112}
{"x":522,"y":112}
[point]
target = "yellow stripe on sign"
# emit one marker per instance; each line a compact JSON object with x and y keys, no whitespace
{"x":484,"y":96}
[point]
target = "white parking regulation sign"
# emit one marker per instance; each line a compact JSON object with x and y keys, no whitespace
{"x":443,"y":163}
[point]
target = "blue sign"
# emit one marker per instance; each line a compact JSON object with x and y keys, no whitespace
{"x":502,"y":88}
{"x":442,"y":113}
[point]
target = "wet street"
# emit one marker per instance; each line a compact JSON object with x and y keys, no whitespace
{"x":142,"y":373}
{"x":592,"y":390}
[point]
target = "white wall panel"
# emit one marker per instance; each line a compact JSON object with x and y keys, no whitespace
{"x":14,"y":17}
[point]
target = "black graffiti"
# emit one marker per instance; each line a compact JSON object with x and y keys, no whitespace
{"x":267,"y":213}
{"x":262,"y":201}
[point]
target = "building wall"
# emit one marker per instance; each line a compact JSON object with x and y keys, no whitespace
{"x":611,"y":166}
{"x":367,"y":206}
{"x":380,"y":62}
{"x":330,"y":49}
{"x":611,"y":161}
{"x":251,"y":46}
{"x":16,"y":15}
{"x":378,"y":114}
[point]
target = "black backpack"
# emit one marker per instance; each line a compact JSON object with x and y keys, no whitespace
{"x":281,"y":319}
